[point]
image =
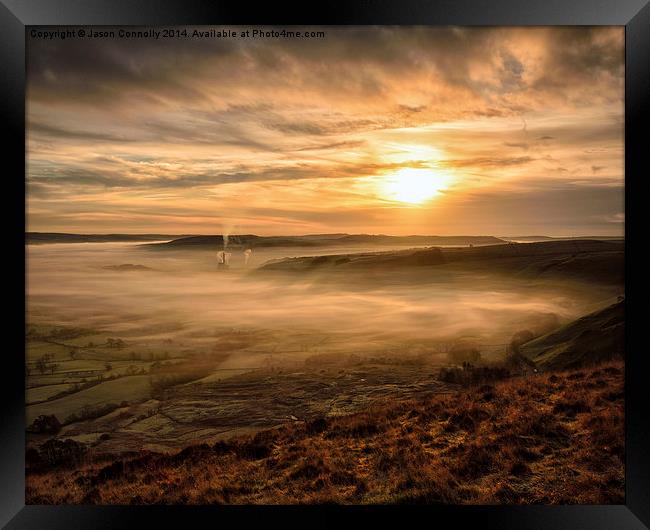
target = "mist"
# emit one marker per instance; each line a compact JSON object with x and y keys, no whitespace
{"x":183,"y":296}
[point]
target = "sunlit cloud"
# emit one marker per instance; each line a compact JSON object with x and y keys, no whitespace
{"x":391,"y":130}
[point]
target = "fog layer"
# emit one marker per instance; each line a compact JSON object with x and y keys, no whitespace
{"x":129,"y":290}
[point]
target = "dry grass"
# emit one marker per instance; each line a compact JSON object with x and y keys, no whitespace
{"x":550,"y":438}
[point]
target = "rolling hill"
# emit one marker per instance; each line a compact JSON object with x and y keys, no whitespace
{"x":590,"y":260}
{"x":56,"y":237}
{"x":593,"y":338}
{"x":320,"y":240}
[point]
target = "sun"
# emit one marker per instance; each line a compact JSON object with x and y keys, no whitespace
{"x":414,"y":185}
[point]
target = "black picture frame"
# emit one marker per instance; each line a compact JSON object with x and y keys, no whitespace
{"x":17,"y":15}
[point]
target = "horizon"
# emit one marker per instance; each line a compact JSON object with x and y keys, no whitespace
{"x":236,"y":234}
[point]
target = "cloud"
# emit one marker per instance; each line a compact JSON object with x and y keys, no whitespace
{"x":579,"y":56}
{"x":304,"y":128}
{"x":616,"y":218}
{"x":41,"y":129}
{"x":520,"y":145}
{"x":355,"y":62}
{"x":278,"y":123}
{"x":488,"y":162}
{"x":556,"y":207}
{"x":350,"y":144}
{"x":123,"y":174}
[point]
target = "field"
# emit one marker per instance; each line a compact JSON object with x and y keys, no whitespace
{"x":179,"y":401}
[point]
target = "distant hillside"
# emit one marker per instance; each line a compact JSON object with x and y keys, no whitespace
{"x":318,"y":240}
{"x":420,"y":240}
{"x":590,"y":339}
{"x":238,"y":241}
{"x":358,"y":261}
{"x":569,"y":238}
{"x":198,"y":241}
{"x":55,"y":237}
{"x":124,"y":267}
{"x":585,"y":260}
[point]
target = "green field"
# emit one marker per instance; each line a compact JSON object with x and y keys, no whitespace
{"x":129,"y":389}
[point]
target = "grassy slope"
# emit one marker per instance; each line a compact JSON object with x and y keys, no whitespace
{"x":550,"y":438}
{"x":592,"y":338}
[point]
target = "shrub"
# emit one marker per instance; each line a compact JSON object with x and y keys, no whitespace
{"x":253,"y":450}
{"x":110,"y":472}
{"x":45,"y":424}
{"x":477,"y":461}
{"x":316,"y":426}
{"x":90,"y":413}
{"x":57,"y":452}
{"x":571,"y":407}
{"x":470,"y":375}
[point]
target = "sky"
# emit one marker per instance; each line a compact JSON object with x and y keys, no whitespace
{"x":391,"y":130}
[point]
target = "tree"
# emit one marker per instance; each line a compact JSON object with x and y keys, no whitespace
{"x":41,"y":365}
{"x":45,"y":424}
{"x":86,"y":411}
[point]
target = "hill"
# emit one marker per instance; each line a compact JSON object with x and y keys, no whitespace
{"x":419,"y":240}
{"x":552,"y":438}
{"x":567,"y":238}
{"x":124,"y":267}
{"x":55,"y":237}
{"x":237,"y":241}
{"x":584,"y":260}
{"x":320,"y":240}
{"x":588,"y":340}
{"x":359,"y":261}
